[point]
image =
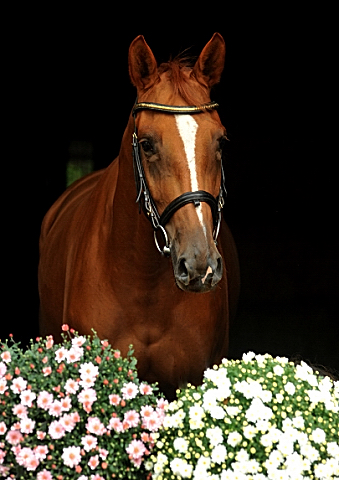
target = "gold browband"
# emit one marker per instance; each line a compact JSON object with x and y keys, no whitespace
{"x":174,"y":108}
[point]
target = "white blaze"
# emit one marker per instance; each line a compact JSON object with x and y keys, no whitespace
{"x":188,"y":127}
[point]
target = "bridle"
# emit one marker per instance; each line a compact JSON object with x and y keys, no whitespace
{"x":146,"y":201}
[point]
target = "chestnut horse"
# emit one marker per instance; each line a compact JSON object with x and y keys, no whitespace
{"x":100,"y":266}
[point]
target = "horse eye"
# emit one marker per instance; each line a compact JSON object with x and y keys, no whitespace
{"x":147,"y":147}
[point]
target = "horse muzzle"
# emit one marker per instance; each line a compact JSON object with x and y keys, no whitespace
{"x":198,"y":273}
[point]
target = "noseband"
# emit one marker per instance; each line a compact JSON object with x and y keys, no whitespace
{"x":146,"y":201}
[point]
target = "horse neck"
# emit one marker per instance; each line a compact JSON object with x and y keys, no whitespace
{"x":131,"y":241}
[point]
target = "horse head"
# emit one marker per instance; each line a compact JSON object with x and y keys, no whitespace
{"x":182,"y":153}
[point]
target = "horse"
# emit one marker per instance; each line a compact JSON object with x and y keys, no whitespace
{"x":139,"y":251}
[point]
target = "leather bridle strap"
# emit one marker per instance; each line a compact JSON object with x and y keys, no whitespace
{"x":146,"y":201}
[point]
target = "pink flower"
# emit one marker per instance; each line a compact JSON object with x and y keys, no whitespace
{"x":114,"y":399}
{"x":95,"y":426}
{"x":66,"y":404}
{"x":153,"y":422}
{"x":71,"y":456}
{"x":88,"y":370}
{"x":78,"y":341}
{"x":32,"y":463}
{"x":88,"y":395}
{"x":46,"y":371}
{"x":96,"y":477}
{"x":67,"y":422}
{"x":6,"y":356}
{"x":87,"y":381}
{"x":93,"y":462}
{"x":49,"y":342}
{"x":44,"y":400}
{"x":20,"y":410}
{"x":116,"y":425}
{"x":27,"y":425}
{"x":44,"y":475}
{"x":27,"y":397}
{"x":132,"y":418}
{"x":145,"y":389}
{"x":136,"y":449}
{"x":14,"y":437}
{"x":18,"y":385}
{"x":103,"y":453}
{"x":60,"y":354}
{"x":3,"y":369}
{"x":55,"y":409}
{"x":129,"y":391}
{"x":3,"y":385}
{"x":89,"y":442}
{"x":3,"y":428}
{"x":41,"y":452}
{"x":40,"y":435}
{"x":117,"y":354}
{"x":74,"y":354}
{"x":24,"y":455}
{"x":56,"y":430}
{"x":71,"y":386}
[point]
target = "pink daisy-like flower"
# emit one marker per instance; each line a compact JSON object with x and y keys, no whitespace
{"x":56,"y":430}
{"x":23,"y":456}
{"x":129,"y":391}
{"x":87,"y":381}
{"x":14,"y":437}
{"x":93,"y":462}
{"x":6,"y":356}
{"x":74,"y":354}
{"x":67,"y":422}
{"x":3,"y":369}
{"x":44,"y":400}
{"x":66,"y":404}
{"x":27,"y":397}
{"x":114,"y":399}
{"x":88,"y":370}
{"x":78,"y":341}
{"x":55,"y":409}
{"x":41,"y":452}
{"x":116,"y":425}
{"x":18,"y":385}
{"x":20,"y":410}
{"x":3,"y":428}
{"x":89,"y":442}
{"x":145,"y":389}
{"x":132,"y":418}
{"x":95,"y":477}
{"x":71,"y":456}
{"x":71,"y":386}
{"x":3,"y":385}
{"x":103,"y":453}
{"x":40,"y":435}
{"x":27,"y":425}
{"x":61,"y":354}
{"x":89,"y":395}
{"x":95,"y":426}
{"x":44,"y":475}
{"x":136,"y":449}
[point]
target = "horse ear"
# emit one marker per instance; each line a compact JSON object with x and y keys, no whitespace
{"x":210,"y":64}
{"x":142,"y":64}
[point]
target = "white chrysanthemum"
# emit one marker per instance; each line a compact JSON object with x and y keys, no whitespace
{"x":196,"y":412}
{"x":333,"y":449}
{"x":258,"y":411}
{"x":180,"y":444}
{"x":234,"y":438}
{"x":210,"y":399}
{"x":298,"y":422}
{"x":290,"y":388}
{"x":218,"y":413}
{"x":278,"y":370}
{"x":232,"y":411}
{"x":180,"y":467}
{"x":318,"y":435}
{"x":215,"y":436}
{"x":248,"y":357}
{"x":218,"y":454}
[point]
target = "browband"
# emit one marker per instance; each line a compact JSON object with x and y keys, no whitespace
{"x":174,"y":108}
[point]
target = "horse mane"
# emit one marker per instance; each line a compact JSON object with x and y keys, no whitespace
{"x":179,"y":71}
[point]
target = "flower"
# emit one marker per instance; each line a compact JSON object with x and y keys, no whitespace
{"x":129,"y":391}
{"x":71,"y":456}
{"x":259,"y":418}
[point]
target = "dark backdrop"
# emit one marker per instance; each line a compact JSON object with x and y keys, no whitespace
{"x":68,"y":80}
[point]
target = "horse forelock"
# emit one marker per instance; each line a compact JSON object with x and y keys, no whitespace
{"x":179,"y":72}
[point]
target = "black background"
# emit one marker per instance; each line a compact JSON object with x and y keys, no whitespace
{"x":67,"y":79}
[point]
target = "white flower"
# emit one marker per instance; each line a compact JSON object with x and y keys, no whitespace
{"x":258,"y":411}
{"x":217,"y":413}
{"x":218,"y":454}
{"x":214,"y":435}
{"x":180,"y":444}
{"x":181,"y":467}
{"x":289,"y":388}
{"x":210,"y":399}
{"x":71,"y":456}
{"x":309,"y":452}
{"x":196,"y":412}
{"x":232,"y":411}
{"x":250,"y":431}
{"x":333,"y":449}
{"x":248,"y":357}
{"x":234,"y":438}
{"x":298,"y":422}
{"x":318,"y":435}
{"x":278,"y":370}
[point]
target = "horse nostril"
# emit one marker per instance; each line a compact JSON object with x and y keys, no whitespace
{"x":218,"y":272}
{"x":183,"y":274}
